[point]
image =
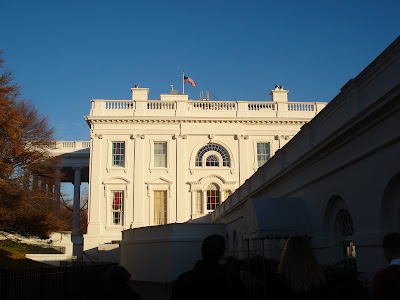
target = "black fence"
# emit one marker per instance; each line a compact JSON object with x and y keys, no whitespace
{"x":69,"y":282}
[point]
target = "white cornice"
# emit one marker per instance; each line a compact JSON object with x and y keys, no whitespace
{"x":177,"y":121}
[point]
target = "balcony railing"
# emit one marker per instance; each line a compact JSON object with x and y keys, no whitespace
{"x":191,"y":108}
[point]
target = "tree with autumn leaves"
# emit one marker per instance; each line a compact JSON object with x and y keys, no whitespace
{"x":26,"y":170}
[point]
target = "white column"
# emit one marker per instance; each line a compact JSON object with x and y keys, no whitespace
{"x":57,"y":192}
{"x":204,"y":201}
{"x":182,"y":210}
{"x":193,"y":197}
{"x":77,"y":201}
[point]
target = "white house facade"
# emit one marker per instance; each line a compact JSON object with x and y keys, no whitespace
{"x":175,"y":160}
{"x":337,"y":181}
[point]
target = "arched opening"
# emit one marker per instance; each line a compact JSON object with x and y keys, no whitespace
{"x":344,"y":232}
{"x":390,"y":207}
{"x":226,"y":162}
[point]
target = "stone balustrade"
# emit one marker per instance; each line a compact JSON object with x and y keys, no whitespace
{"x":194,"y":108}
{"x":68,"y":146}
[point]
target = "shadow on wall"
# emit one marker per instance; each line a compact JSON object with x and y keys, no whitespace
{"x":103,"y":253}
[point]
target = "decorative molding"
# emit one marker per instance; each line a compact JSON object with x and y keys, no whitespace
{"x":177,"y":121}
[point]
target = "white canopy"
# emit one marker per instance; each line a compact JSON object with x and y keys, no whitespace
{"x":273,"y":218}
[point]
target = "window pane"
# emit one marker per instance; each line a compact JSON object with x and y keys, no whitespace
{"x":160,"y":207}
{"x":212,"y":161}
{"x":263,"y":154}
{"x":117,"y":207}
{"x":213,"y":147}
{"x":118,"y":154}
{"x":160,"y":155}
{"x":213,"y":197}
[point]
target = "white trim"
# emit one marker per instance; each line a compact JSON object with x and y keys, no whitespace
{"x":151,"y":163}
{"x":109,"y":166}
{"x":158,"y":184}
{"x":259,"y":141}
{"x":192,"y":161}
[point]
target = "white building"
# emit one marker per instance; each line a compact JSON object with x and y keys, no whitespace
{"x":175,"y":160}
{"x":337,"y":180}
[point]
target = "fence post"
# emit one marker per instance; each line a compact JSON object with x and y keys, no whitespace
{"x":42,"y":281}
{"x":65,"y":281}
{"x":5,"y":284}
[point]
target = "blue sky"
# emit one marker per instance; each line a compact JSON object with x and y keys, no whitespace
{"x":65,"y":53}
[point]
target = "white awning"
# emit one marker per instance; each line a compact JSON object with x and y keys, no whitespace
{"x":274,"y":218}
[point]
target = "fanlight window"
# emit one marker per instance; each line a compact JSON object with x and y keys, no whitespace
{"x":346,"y":224}
{"x":211,"y":159}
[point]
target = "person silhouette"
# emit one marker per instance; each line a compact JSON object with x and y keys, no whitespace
{"x":207,"y":280}
{"x":115,"y":286}
{"x":299,"y":274}
{"x":386,"y":283}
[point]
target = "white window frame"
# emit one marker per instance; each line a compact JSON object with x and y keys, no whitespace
{"x":218,"y":189}
{"x":160,"y":184}
{"x":116,"y":184}
{"x":166,"y":205}
{"x":255,"y":166}
{"x":122,"y":210}
{"x":110,"y":154}
{"x":152,"y":160}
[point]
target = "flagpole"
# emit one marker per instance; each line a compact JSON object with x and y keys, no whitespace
{"x":183,"y":81}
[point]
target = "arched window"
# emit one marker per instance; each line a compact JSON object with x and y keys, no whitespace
{"x":346,"y":224}
{"x":212,"y":161}
{"x":213,"y":197}
{"x":212,"y":147}
{"x":345,"y":232}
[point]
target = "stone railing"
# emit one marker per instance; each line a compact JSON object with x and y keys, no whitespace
{"x":212,"y":105}
{"x":192,"y":108}
{"x":68,"y":146}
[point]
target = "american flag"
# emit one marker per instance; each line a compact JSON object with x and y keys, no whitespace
{"x":189,"y":80}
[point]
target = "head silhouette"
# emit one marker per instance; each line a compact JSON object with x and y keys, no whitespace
{"x":391,"y":245}
{"x":300,"y":266}
{"x":118,"y":274}
{"x":213,"y":248}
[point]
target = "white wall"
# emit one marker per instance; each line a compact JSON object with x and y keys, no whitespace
{"x":162,"y":253}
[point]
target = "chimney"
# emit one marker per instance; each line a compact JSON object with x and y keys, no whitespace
{"x":279,"y":94}
{"x":140,"y":94}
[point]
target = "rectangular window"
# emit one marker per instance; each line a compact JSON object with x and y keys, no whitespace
{"x":213,"y":200}
{"x":117,"y":207}
{"x":160,"y":207}
{"x":118,"y":154}
{"x":262,"y":153}
{"x":198,"y":205}
{"x":160,"y":154}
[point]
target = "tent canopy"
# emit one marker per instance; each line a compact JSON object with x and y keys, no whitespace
{"x":274,"y":218}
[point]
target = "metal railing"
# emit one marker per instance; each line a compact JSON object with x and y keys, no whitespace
{"x":50,"y":283}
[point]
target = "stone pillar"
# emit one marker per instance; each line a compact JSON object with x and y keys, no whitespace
{"x":141,"y":202}
{"x":76,"y":237}
{"x":204,"y":201}
{"x":77,"y":201}
{"x":57,"y":192}
{"x":243,"y":161}
{"x":182,"y":203}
